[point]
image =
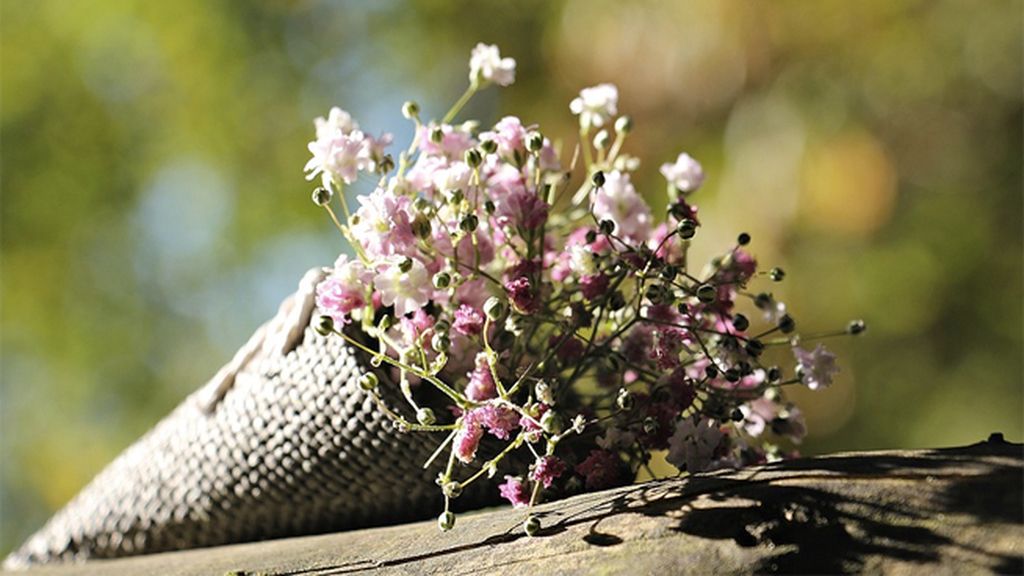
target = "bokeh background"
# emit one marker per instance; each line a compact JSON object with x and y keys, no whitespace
{"x":154,"y":210}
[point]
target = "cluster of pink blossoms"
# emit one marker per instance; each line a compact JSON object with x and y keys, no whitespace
{"x":547,"y":309}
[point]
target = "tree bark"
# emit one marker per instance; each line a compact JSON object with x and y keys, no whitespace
{"x":944,"y":511}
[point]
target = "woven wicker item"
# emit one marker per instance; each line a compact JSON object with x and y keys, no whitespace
{"x":282,"y":442}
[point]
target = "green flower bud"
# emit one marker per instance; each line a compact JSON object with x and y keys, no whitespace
{"x":469,"y":223}
{"x":421,"y":227}
{"x":740,"y":322}
{"x":624,"y":400}
{"x":411,"y":110}
{"x":425,"y":416}
{"x":489,"y":207}
{"x":494,"y":308}
{"x":602,"y":139}
{"x":322,"y":196}
{"x":743,"y":239}
{"x":606,"y":226}
{"x":405,"y":265}
{"x":777,"y":274}
{"x":598,"y":179}
{"x":446,"y":521}
{"x":552,"y":423}
{"x":856,"y":327}
{"x":624,"y":125}
{"x":442,"y":280}
{"x":489,"y":146}
{"x":452,"y":489}
{"x":368,"y":381}
{"x":706,"y":293}
{"x":436,"y":134}
{"x":474,"y":158}
{"x":531,"y":526}
{"x":440,"y":342}
{"x":687,"y":228}
{"x":787,"y":324}
{"x":325,"y":326}
{"x":534,"y":142}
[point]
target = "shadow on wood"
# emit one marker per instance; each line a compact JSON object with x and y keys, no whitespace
{"x":946,"y":511}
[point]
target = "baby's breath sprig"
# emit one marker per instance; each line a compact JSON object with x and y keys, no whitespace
{"x":578,"y":342}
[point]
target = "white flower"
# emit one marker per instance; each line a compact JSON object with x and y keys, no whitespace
{"x":453,"y":177}
{"x":596,"y":105}
{"x":338,"y":121}
{"x":487,"y":65}
{"x":686,"y":174}
{"x":815,"y":368}
{"x":581,"y":260}
{"x":692,"y":446}
{"x":619,"y":202}
{"x":337,"y":157}
{"x":407,"y":290}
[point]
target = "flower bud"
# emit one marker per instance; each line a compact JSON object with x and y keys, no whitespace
{"x":736,"y":415}
{"x":322,"y":196}
{"x":442,"y":280}
{"x":489,"y":146}
{"x":440,"y":342}
{"x":489,"y":207}
{"x":777,"y":274}
{"x":425,"y":416}
{"x":774,"y":374}
{"x":607,"y":227}
{"x":579,"y":424}
{"x":405,"y":265}
{"x":624,"y":400}
{"x":534,"y":142}
{"x":624,"y":125}
{"x":386,"y":164}
{"x":494,"y":308}
{"x":368,"y":381}
{"x":551,"y":422}
{"x":740,"y":323}
{"x":452,"y":489}
{"x":446,"y":521}
{"x":706,"y":293}
{"x":410,"y":110}
{"x":616,"y":301}
{"x":856,"y":327}
{"x":754,"y":348}
{"x":474,"y":158}
{"x":325,"y":326}
{"x":531,"y":526}
{"x":544,"y":393}
{"x":650,"y":425}
{"x":711,"y":371}
{"x":469,"y":223}
{"x":601,"y":139}
{"x":436,"y":135}
{"x":687,"y":228}
{"x":743,"y":239}
{"x":598,"y":179}
{"x":787,"y":324}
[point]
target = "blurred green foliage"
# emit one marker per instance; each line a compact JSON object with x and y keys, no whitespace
{"x":154,"y":210}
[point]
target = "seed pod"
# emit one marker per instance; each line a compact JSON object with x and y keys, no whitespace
{"x":368,"y":381}
{"x":446,"y":521}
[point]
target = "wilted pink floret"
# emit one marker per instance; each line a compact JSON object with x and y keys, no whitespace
{"x":521,"y":207}
{"x":467,"y":439}
{"x":546,"y":469}
{"x":468,"y":321}
{"x":499,"y":420}
{"x":481,"y":382}
{"x":523,"y":296}
{"x":514,"y":490}
{"x":601,"y":470}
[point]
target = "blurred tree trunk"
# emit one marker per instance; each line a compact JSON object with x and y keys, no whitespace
{"x":947,"y":511}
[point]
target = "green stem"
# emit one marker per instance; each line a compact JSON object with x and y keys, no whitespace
{"x":460,"y":103}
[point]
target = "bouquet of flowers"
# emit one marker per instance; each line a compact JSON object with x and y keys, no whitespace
{"x":536,"y":315}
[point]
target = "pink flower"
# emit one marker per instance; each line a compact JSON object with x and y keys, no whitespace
{"x":521,"y":207}
{"x":407,"y":290}
{"x":468,"y":321}
{"x":532,"y":425}
{"x":514,"y":490}
{"x":524,"y":297}
{"x":601,"y":470}
{"x":481,"y":382}
{"x":338,"y":157}
{"x":454,"y":141}
{"x":344,"y":290}
{"x":500,"y":421}
{"x":693,"y":445}
{"x":467,"y":439}
{"x":617,"y":200}
{"x":817,"y":367}
{"x":510,"y":136}
{"x":546,"y":469}
{"x":593,"y":286}
{"x":666,"y":345}
{"x":685,"y":174}
{"x":487,"y":65}
{"x":383,"y":225}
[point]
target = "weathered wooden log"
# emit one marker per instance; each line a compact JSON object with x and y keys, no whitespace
{"x":944,"y":511}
